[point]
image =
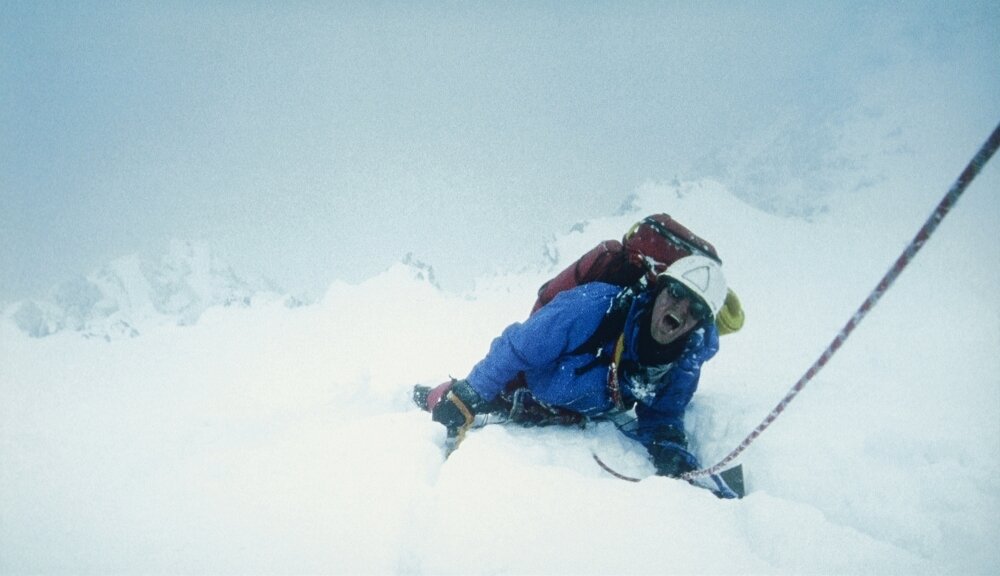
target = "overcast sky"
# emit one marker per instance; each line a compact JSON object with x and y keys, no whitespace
{"x":310,"y":141}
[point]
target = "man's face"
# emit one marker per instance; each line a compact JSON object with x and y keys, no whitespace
{"x":672,"y":317}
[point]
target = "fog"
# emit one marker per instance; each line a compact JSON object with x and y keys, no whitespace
{"x":311,"y":142}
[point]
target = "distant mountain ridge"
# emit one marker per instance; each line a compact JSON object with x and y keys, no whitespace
{"x":128,"y":294}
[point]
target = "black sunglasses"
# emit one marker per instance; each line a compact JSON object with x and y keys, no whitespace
{"x":696,"y":305}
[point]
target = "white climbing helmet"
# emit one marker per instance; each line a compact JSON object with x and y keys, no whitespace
{"x":703,"y":276}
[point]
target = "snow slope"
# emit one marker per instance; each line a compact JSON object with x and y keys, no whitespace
{"x":270,"y":439}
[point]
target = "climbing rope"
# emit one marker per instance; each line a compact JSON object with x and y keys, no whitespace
{"x":946,"y":204}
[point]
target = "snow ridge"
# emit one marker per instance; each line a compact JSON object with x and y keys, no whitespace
{"x":125,"y":296}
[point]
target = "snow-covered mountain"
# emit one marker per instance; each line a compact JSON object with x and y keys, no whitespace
{"x":130,"y":294}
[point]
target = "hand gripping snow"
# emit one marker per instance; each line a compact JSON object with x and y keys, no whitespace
{"x":975,"y":166}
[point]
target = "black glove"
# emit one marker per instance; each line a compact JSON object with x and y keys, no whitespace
{"x":672,"y":459}
{"x":670,"y":454}
{"x":458,"y":409}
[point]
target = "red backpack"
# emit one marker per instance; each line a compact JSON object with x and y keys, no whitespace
{"x":654,"y":243}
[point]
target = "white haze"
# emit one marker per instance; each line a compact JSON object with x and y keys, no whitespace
{"x":317,"y":141}
{"x":278,"y":440}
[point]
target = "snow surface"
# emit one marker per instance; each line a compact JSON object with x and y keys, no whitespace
{"x":270,"y":439}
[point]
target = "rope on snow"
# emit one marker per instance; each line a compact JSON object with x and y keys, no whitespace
{"x":982,"y":157}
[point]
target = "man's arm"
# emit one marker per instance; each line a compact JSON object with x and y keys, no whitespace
{"x":559,"y":327}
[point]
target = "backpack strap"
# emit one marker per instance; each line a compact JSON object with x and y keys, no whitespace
{"x":611,"y":328}
{"x":614,"y":388}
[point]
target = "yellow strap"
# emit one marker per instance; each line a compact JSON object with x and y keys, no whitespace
{"x":469,"y":418}
{"x":619,"y":348}
{"x":613,"y":388}
{"x":632,"y":230}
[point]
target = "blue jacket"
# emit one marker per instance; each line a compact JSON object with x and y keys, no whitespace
{"x":543,"y":349}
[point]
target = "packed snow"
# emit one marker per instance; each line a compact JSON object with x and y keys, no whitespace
{"x":265,"y":438}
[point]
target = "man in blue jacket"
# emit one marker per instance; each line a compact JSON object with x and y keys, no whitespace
{"x":598,"y":348}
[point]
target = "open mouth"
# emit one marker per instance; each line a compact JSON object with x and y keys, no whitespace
{"x":673,"y":321}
